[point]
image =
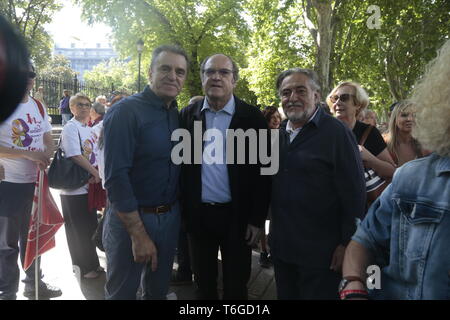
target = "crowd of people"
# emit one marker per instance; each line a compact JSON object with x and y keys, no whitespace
{"x":344,"y":196}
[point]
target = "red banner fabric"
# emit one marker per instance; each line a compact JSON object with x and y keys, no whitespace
{"x":49,"y":223}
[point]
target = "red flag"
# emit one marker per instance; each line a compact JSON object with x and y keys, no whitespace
{"x":50,"y":221}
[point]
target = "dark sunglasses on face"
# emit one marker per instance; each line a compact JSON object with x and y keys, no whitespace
{"x":343,"y":97}
{"x":31,"y":74}
{"x":86,"y":105}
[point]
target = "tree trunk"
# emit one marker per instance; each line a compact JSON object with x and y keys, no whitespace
{"x":324,"y":17}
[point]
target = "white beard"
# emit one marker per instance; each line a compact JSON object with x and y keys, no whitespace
{"x":296,"y":116}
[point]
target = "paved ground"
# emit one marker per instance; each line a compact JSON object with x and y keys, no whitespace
{"x":57,"y":268}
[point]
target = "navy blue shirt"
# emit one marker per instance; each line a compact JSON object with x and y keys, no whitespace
{"x":138,"y":167}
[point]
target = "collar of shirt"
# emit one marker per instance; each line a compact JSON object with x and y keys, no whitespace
{"x":228,"y":108}
{"x":150,"y":95}
{"x":293,"y":132}
{"x":81,"y":124}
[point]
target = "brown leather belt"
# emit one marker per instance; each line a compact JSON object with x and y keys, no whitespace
{"x":156,"y":210}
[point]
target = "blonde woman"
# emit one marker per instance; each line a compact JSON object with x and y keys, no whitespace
{"x":346,"y":102}
{"x":402,"y":146}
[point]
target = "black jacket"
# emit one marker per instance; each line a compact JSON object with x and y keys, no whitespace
{"x":250,"y":190}
{"x":317,"y":194}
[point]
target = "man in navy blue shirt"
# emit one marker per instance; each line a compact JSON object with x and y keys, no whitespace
{"x":317,"y":194}
{"x":142,"y":225}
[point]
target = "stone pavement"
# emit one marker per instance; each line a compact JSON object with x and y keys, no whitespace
{"x":57,"y":269}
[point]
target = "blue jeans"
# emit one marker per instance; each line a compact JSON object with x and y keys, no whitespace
{"x":16,"y":200}
{"x":65,"y":117}
{"x":124,"y":276}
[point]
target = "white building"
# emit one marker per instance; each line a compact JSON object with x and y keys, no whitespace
{"x":84,"y":59}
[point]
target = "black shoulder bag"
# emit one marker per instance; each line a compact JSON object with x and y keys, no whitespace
{"x":64,"y":173}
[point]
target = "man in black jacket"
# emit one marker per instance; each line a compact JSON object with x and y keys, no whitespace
{"x":317,"y":194}
{"x":224,"y":203}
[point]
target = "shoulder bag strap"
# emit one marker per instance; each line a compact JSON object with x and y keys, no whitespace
{"x":365,"y":135}
{"x":40,"y":107}
{"x":81,"y":146}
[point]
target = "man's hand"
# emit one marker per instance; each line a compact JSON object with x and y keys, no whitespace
{"x":252,"y":235}
{"x":338,"y":258}
{"x":144,"y":250}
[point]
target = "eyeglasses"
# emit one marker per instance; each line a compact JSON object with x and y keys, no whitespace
{"x":343,"y":97}
{"x":86,"y":105}
{"x":31,"y":74}
{"x":222,"y":72}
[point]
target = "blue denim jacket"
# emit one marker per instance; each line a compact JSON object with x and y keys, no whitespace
{"x":408,"y":231}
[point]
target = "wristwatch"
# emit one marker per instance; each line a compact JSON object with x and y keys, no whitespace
{"x":346,"y":280}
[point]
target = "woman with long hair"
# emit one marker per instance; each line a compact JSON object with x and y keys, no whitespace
{"x":402,"y":146}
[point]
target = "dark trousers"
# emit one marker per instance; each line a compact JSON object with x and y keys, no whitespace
{"x":16,"y":201}
{"x":296,"y":282}
{"x":219,"y":230}
{"x":80,"y":225}
{"x":183,"y":255}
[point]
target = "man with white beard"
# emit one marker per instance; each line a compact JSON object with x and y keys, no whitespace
{"x":317,"y":194}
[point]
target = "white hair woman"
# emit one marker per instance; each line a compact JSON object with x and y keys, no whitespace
{"x":78,"y":142}
{"x":346,"y":101}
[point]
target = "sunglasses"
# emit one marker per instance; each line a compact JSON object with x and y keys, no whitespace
{"x":343,"y":97}
{"x":31,"y":74}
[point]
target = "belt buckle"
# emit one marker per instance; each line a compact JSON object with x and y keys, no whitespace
{"x":160,"y":209}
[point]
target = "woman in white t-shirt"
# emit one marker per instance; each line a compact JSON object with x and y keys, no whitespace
{"x":78,"y":141}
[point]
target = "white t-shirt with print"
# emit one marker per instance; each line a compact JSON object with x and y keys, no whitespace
{"x":70,"y":144}
{"x":23,"y":130}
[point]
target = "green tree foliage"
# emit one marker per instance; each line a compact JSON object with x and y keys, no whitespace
{"x":387,"y":61}
{"x":113,"y":74}
{"x":57,"y":69}
{"x":201,"y":27}
{"x":29,"y":17}
{"x":265,"y":37}
{"x":277,"y":43}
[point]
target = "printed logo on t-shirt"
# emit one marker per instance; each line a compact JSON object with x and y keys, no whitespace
{"x":20,"y":135}
{"x":88,"y":150}
{"x":23,"y":131}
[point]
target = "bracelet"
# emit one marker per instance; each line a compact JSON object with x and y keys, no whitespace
{"x":345,"y":293}
{"x":356,"y":295}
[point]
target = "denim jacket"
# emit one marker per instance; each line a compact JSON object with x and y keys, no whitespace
{"x":408,"y":231}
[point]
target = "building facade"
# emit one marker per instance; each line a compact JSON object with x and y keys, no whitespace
{"x":84,"y":59}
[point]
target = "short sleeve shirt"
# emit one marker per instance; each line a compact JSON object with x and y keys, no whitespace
{"x":72,"y":132}
{"x":374,"y":142}
{"x":23,"y":130}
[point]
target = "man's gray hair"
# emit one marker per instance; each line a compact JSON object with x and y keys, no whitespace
{"x":98,"y":108}
{"x":235,"y":67}
{"x":168,"y":48}
{"x":311,"y":74}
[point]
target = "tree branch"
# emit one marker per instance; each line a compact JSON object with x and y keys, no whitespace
{"x":38,"y":21}
{"x":307,"y":18}
{"x":162,"y":18}
{"x":210,"y":20}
